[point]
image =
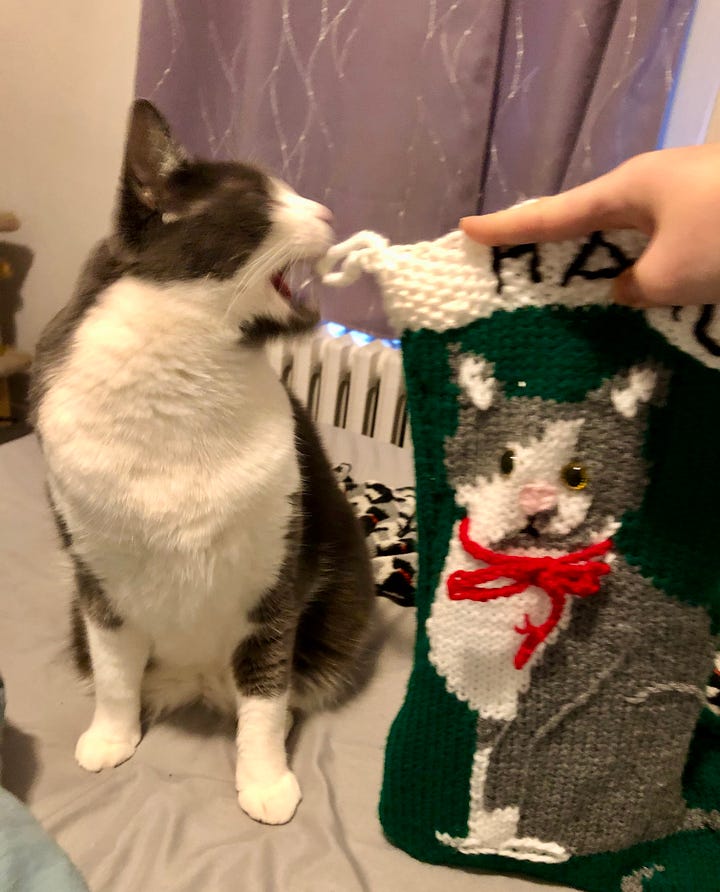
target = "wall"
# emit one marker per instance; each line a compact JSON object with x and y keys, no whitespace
{"x":66,"y":81}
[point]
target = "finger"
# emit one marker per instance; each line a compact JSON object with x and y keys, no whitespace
{"x":651,"y":281}
{"x":599,"y":204}
{"x":627,"y":290}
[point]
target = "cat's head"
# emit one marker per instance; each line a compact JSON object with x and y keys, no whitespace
{"x":232,"y":225}
{"x":535,"y":473}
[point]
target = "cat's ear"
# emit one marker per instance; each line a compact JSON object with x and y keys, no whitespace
{"x":151,"y":154}
{"x":630,"y":392}
{"x":635,"y":391}
{"x":475,"y":378}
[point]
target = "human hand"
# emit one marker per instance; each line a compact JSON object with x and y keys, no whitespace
{"x":672,"y":195}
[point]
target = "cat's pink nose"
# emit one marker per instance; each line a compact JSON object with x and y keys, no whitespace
{"x":537,"y":497}
{"x":324,"y":213}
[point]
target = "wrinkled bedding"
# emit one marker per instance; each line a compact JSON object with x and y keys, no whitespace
{"x":29,"y":860}
{"x":167,"y":820}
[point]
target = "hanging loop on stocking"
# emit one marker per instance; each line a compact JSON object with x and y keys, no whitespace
{"x":358,"y":254}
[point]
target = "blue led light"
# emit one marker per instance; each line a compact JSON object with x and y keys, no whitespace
{"x":361,"y":337}
{"x":336,"y":330}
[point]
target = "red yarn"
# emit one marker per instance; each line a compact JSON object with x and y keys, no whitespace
{"x":571,"y":574}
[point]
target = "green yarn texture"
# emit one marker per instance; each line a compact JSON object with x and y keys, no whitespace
{"x":562,"y":354}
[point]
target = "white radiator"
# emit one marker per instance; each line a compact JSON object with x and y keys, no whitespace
{"x":357,"y":386}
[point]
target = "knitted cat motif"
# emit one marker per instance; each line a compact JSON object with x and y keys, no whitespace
{"x":564,"y":642}
{"x":571,"y":659}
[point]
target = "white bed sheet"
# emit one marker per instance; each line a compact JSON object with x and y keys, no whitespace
{"x":168,"y":818}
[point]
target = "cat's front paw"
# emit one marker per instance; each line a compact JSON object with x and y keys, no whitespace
{"x":273,"y":803}
{"x":95,"y":751}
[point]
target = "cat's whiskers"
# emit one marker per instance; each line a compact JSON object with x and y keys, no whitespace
{"x":259,"y":271}
{"x":256,"y":272}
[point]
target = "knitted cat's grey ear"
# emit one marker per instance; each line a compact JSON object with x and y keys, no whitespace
{"x":636,"y":391}
{"x":630,"y":392}
{"x":151,"y":154}
{"x":475,"y":378}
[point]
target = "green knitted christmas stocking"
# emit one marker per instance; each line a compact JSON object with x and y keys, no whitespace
{"x":566,"y":451}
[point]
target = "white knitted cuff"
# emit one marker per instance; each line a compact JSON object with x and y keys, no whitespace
{"x":451,"y":281}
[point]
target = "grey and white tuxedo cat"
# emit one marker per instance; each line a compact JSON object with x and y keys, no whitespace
{"x":214,"y":555}
{"x":580,"y":727}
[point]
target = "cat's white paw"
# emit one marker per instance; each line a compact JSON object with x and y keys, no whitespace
{"x":273,"y":803}
{"x":94,"y":751}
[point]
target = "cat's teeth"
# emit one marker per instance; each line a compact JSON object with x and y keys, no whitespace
{"x":301,"y":279}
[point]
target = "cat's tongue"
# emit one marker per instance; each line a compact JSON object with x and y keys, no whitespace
{"x":281,"y":286}
{"x":295,"y":283}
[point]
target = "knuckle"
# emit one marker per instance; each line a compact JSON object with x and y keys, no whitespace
{"x":642,"y":164}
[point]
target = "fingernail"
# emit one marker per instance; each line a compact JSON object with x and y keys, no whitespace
{"x":522,"y":204}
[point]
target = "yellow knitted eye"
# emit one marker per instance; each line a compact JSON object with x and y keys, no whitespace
{"x":574,"y":476}
{"x":507,"y":462}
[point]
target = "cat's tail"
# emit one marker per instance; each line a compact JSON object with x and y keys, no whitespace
{"x":333,"y":659}
{"x":335,"y":646}
{"x":331,"y":656}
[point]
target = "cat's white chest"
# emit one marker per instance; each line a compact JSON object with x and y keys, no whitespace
{"x":473,"y":644}
{"x":172,"y":449}
{"x":159,"y":428}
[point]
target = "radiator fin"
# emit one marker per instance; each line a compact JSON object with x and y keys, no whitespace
{"x":359,"y":387}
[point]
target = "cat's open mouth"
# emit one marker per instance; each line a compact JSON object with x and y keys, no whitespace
{"x":537,"y":524}
{"x":294,"y":283}
{"x":280,"y":284}
{"x":531,"y":530}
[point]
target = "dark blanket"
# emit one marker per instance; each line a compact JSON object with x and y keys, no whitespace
{"x":388,"y":518}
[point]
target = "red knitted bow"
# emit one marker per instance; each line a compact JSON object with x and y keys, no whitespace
{"x":572,"y":574}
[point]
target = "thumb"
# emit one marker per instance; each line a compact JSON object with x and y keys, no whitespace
{"x":649,"y":281}
{"x":627,"y":289}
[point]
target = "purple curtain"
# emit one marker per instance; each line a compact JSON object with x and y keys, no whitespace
{"x":403,"y":116}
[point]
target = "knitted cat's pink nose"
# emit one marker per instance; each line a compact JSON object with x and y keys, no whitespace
{"x":537,"y":497}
